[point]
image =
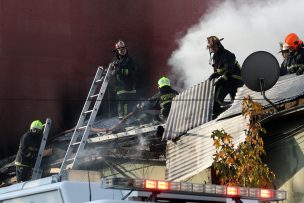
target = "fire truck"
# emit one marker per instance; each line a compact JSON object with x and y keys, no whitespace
{"x":55,"y":189}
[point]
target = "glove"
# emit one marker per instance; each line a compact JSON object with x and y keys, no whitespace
{"x":140,"y":105}
{"x":214,"y":75}
{"x":219,"y":81}
{"x":299,"y":72}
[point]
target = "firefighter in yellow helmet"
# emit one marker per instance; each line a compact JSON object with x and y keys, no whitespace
{"x":28,"y":150}
{"x":162,"y":100}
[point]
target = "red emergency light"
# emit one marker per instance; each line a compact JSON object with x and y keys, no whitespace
{"x":156,"y":185}
{"x":264,"y":193}
{"x":232,"y":191}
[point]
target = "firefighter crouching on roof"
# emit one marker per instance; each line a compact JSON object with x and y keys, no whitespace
{"x":124,"y":72}
{"x":295,"y":59}
{"x":28,"y":150}
{"x":161,"y":101}
{"x":227,"y":71}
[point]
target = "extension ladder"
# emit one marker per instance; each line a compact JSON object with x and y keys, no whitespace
{"x":37,"y":172}
{"x":82,"y":129}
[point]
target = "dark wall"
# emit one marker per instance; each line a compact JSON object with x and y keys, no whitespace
{"x":49,"y":51}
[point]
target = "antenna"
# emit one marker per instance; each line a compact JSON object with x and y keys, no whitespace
{"x":260,"y":72}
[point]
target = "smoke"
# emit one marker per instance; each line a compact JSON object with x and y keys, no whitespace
{"x":246,"y":26}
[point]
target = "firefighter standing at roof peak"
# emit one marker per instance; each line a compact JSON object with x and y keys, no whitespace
{"x":125,"y":79}
{"x":295,"y":61}
{"x":227,"y":72}
{"x":28,"y":150}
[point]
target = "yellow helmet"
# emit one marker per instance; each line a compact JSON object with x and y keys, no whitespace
{"x":163,"y":81}
{"x":36,"y":125}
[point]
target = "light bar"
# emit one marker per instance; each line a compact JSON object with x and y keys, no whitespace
{"x":195,"y":189}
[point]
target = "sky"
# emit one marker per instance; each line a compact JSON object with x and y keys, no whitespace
{"x":246,"y":26}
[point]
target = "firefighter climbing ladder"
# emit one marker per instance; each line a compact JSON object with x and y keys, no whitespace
{"x":82,"y":129}
{"x":37,"y":171}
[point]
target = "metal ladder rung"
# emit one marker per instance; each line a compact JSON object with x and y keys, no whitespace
{"x":76,"y":143}
{"x":100,"y":80}
{"x":70,"y":159}
{"x":87,"y":112}
{"x":93,"y":96}
{"x":82,"y":127}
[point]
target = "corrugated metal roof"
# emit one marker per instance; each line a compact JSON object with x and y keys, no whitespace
{"x":193,"y":152}
{"x":286,"y":89}
{"x":190,"y":109}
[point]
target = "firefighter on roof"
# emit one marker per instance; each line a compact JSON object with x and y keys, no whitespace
{"x":227,"y":72}
{"x":162,"y":100}
{"x":125,"y":79}
{"x":285,"y":54}
{"x":295,"y":60}
{"x":28,"y":150}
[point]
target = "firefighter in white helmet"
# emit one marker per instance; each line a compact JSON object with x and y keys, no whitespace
{"x":285,"y":54}
{"x":125,"y":79}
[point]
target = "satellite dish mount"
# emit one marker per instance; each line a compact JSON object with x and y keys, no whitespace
{"x":262,"y":90}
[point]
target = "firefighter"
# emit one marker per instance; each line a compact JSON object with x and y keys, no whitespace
{"x":285,"y":54}
{"x":295,"y":60}
{"x":227,"y":73}
{"x":28,"y":150}
{"x":124,"y":72}
{"x":161,"y":101}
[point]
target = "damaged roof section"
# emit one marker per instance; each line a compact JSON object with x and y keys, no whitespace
{"x":190,"y":109}
{"x":288,"y":88}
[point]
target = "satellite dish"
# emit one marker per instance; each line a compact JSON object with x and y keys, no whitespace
{"x":260,"y":67}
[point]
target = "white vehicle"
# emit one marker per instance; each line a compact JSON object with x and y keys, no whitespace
{"x":123,"y":190}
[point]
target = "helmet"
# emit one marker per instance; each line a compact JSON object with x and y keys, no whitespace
{"x":163,"y":81}
{"x":292,"y":41}
{"x":36,"y":125}
{"x":120,"y":44}
{"x":212,"y":41}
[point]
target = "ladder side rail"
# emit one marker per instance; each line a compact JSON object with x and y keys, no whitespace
{"x":88,"y":99}
{"x":93,"y":114}
{"x":81,"y":117}
{"x":37,"y":172}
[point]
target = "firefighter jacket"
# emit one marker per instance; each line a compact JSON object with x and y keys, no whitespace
{"x":162,"y":101}
{"x":226,"y":65}
{"x":283,"y":68}
{"x":124,"y":74}
{"x":295,"y":62}
{"x":28,"y":149}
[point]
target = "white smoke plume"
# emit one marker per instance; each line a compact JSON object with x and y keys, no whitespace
{"x":246,"y":26}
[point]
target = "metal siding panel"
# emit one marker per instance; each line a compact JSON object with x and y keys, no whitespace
{"x":194,"y":151}
{"x":190,"y":109}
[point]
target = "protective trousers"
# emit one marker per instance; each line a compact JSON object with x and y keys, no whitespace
{"x":126,"y":102}
{"x":221,"y":91}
